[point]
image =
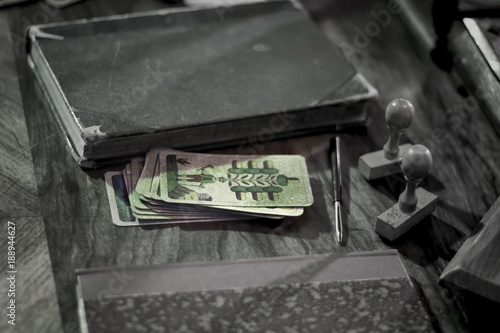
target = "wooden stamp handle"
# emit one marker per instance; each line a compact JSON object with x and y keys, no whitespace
{"x":416,"y":164}
{"x":398,"y":115}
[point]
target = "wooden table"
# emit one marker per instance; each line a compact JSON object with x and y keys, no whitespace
{"x":41,"y":183}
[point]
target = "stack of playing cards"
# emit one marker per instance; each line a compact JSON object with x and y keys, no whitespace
{"x":170,"y":186}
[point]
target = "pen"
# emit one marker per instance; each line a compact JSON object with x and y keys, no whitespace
{"x":337,"y":188}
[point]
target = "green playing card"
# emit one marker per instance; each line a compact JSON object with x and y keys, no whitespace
{"x":145,"y":186}
{"x":136,"y":167}
{"x":121,"y":213}
{"x":234,"y":180}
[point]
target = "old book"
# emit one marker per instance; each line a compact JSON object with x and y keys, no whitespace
{"x":193,"y":78}
{"x":53,"y":3}
{"x":11,"y":2}
{"x":365,"y":291}
{"x":476,"y":265}
{"x":472,"y":44}
{"x":476,"y":49}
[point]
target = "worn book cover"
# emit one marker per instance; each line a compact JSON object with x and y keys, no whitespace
{"x":476,"y":265}
{"x":471,"y":47}
{"x":358,"y":292}
{"x":476,"y":50}
{"x":192,"y":78}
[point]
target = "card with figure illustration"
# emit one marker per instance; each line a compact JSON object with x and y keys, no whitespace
{"x":122,"y":215}
{"x":234,"y":180}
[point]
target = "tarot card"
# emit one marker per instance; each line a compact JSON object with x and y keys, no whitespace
{"x":136,"y":167}
{"x":149,"y":173}
{"x":235,"y":180}
{"x":122,"y":215}
{"x":147,"y":181}
{"x":125,"y":175}
{"x":269,"y":212}
{"x":144,"y":190}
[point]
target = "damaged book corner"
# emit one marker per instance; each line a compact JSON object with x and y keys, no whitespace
{"x":184,"y":78}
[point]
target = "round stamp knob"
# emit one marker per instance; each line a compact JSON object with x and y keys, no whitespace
{"x":398,"y":115}
{"x":416,"y":164}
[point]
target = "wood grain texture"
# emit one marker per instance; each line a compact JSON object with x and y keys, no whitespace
{"x":465,"y":176}
{"x":18,"y":192}
{"x":37,"y":308}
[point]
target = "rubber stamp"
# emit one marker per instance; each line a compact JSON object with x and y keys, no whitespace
{"x":398,"y":115}
{"x":414,"y":203}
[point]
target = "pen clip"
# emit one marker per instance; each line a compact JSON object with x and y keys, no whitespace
{"x":336,"y":174}
{"x":338,"y":222}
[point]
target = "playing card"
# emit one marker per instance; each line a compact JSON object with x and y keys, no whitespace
{"x":212,"y":211}
{"x":269,"y":212}
{"x":145,"y":205}
{"x":136,"y":167}
{"x":149,"y":179}
{"x":126,"y":173}
{"x":234,"y":180}
{"x":149,"y":173}
{"x":144,"y":188}
{"x":175,"y":187}
{"x":121,"y":213}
